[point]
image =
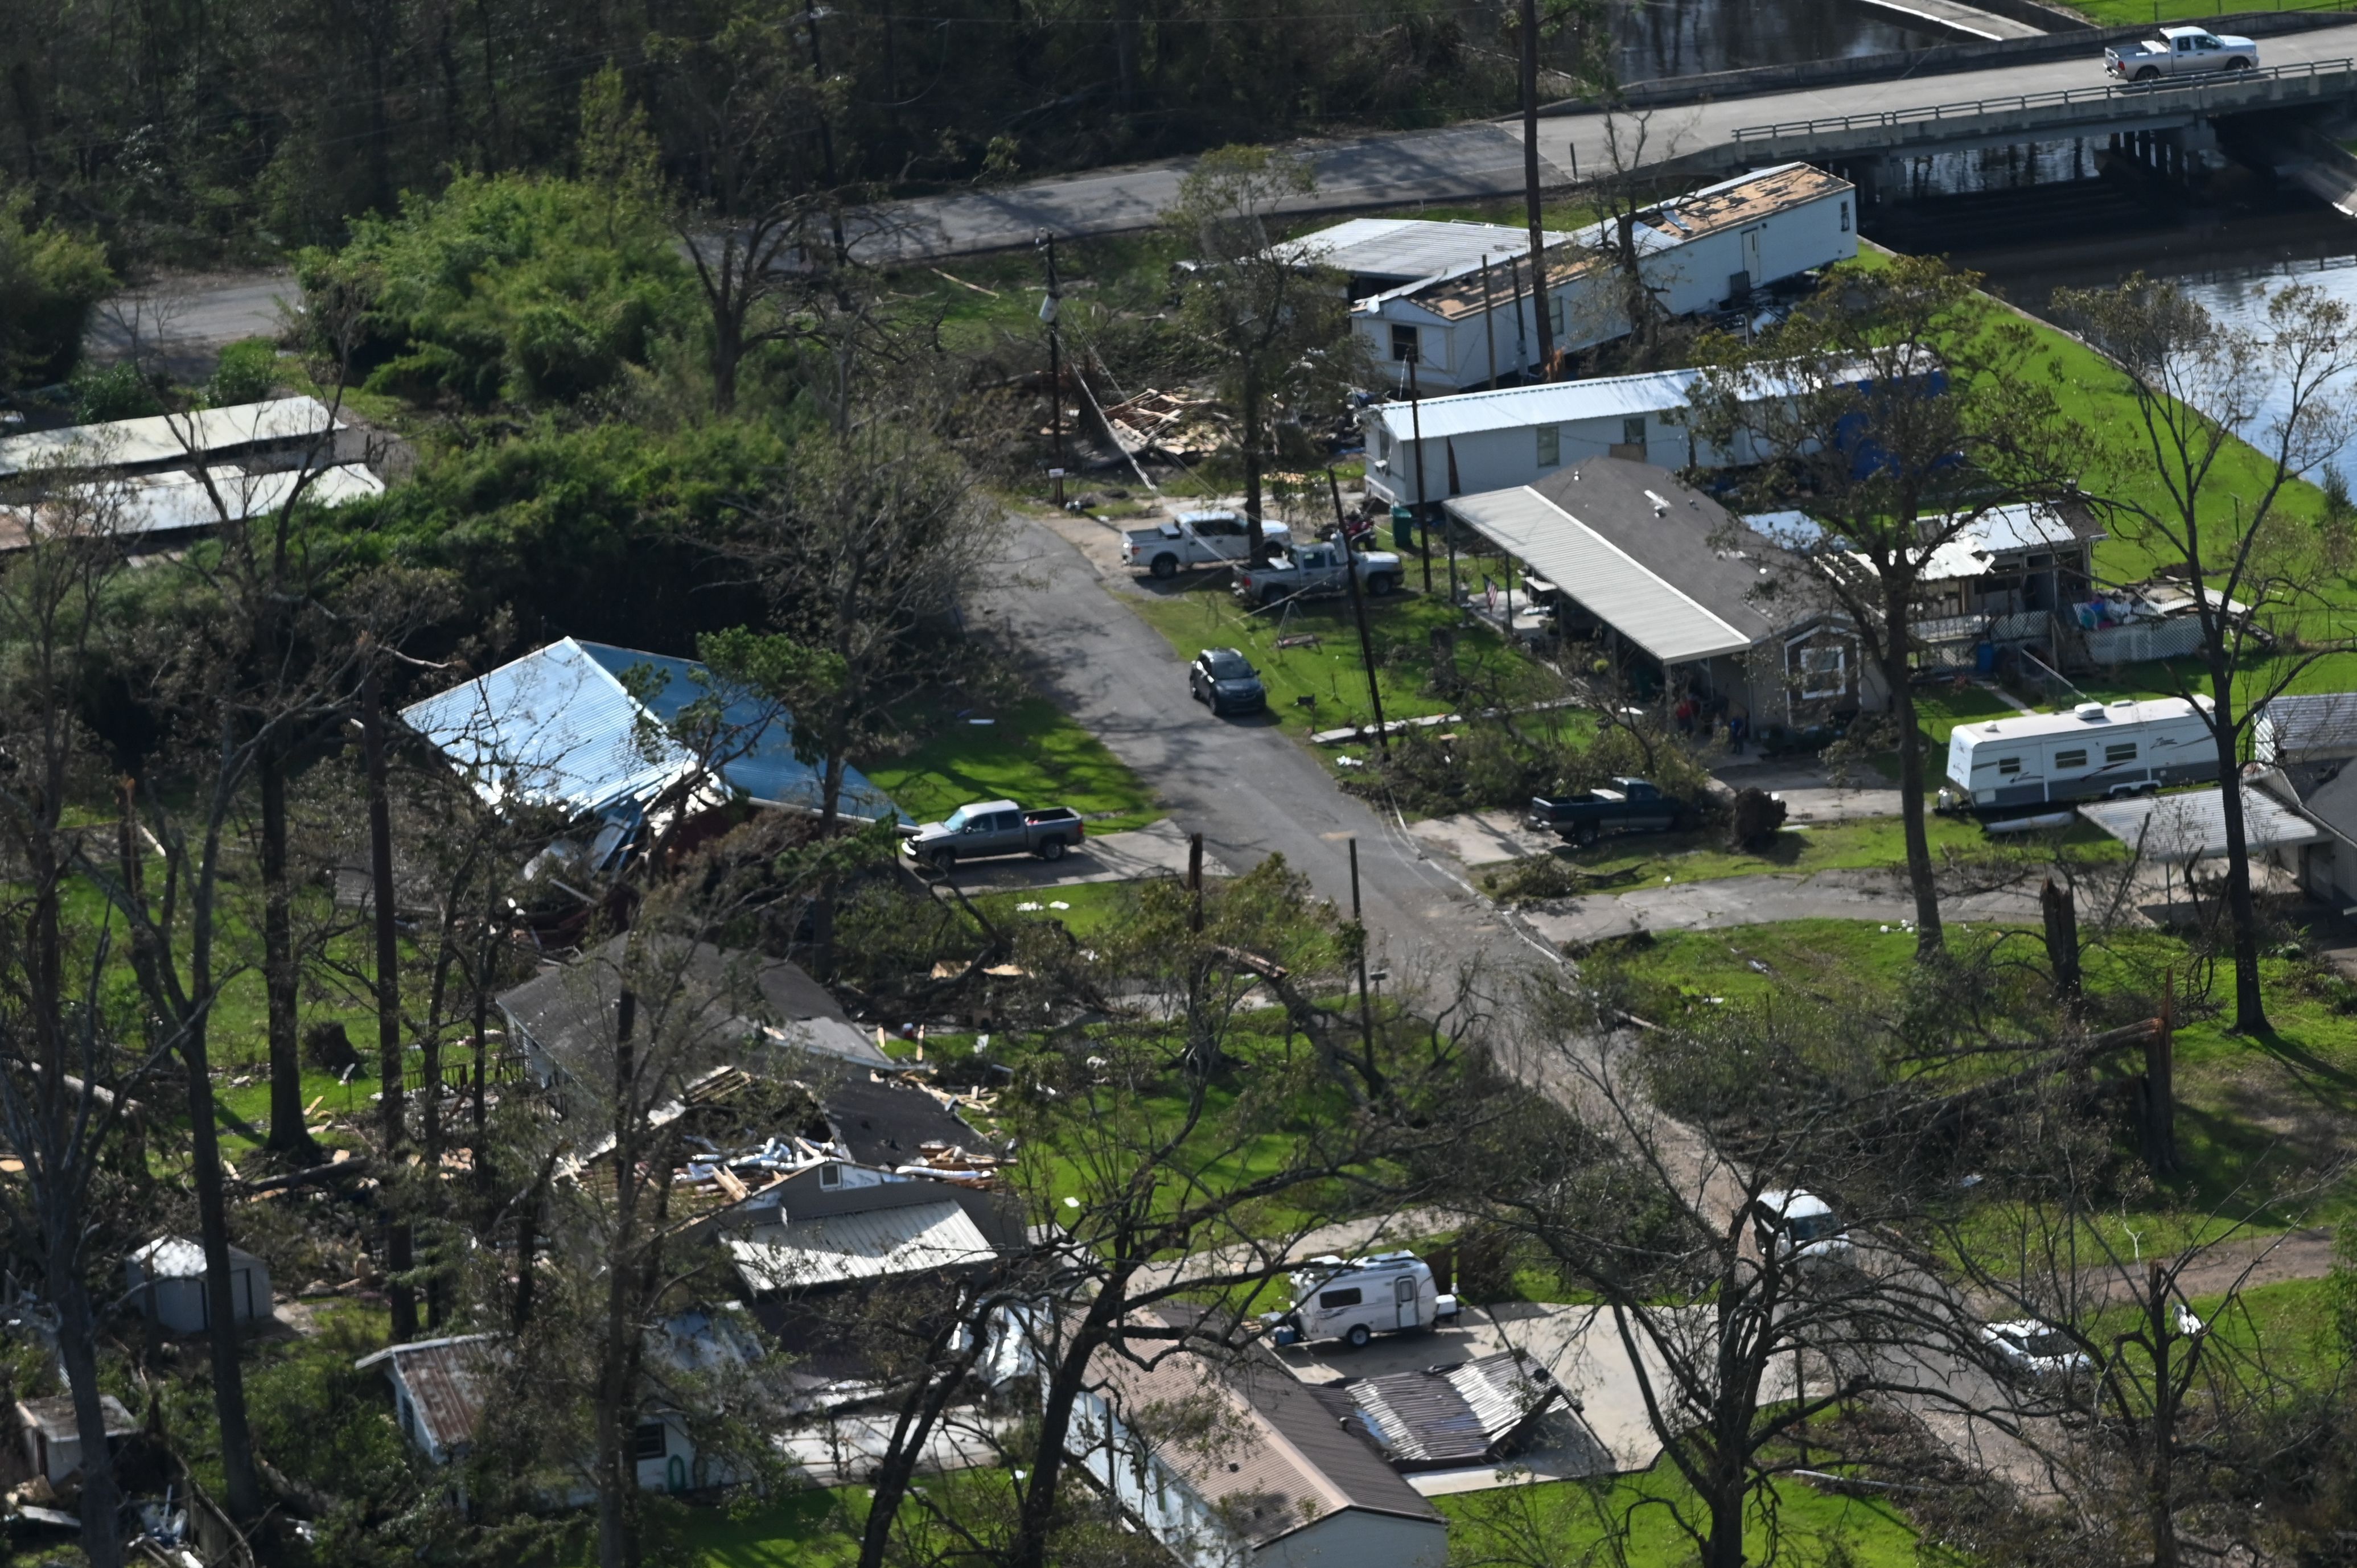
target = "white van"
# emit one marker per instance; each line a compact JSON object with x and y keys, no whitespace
{"x":2096,"y":751}
{"x":1354,"y":1300}
{"x":1800,"y":1228}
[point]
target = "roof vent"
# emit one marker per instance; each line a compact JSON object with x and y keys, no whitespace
{"x":2089,"y":710}
{"x":1660,"y":506}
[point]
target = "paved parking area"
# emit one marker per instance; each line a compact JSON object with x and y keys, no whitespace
{"x":1158,"y":849}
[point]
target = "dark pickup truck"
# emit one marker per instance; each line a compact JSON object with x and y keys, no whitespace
{"x":1632,"y":806}
{"x":994,"y":827}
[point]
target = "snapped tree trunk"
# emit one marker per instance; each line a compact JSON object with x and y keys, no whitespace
{"x":2061,"y":916}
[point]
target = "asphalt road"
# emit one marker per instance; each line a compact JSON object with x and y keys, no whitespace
{"x":1239,"y":781}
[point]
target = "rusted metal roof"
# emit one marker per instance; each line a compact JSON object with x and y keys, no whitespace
{"x":447,"y":1380}
{"x":1446,"y":1416}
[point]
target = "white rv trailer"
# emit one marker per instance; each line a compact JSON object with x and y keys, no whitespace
{"x":1385,"y":1292}
{"x":2095,"y":751}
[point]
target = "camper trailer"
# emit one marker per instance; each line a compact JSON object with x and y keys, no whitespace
{"x":1354,"y":1300}
{"x":2095,"y":751}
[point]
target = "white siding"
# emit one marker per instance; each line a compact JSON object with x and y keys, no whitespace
{"x":1356,"y":1539}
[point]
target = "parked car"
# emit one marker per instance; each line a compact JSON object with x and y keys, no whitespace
{"x":993,"y":827}
{"x":1800,"y":1228}
{"x":1630,"y":805}
{"x":1196,"y":539}
{"x":2179,"y":51}
{"x":2029,"y":1348}
{"x":1353,"y":1300}
{"x":1307,"y":570}
{"x":1226,"y":680}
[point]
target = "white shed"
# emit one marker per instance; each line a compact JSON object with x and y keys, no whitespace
{"x":1695,"y":252}
{"x":53,"y":1437}
{"x":170,"y":1275}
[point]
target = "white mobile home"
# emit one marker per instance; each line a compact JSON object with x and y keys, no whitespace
{"x":2095,"y":750}
{"x":1379,"y":253}
{"x":1695,"y":252}
{"x":1495,"y":440}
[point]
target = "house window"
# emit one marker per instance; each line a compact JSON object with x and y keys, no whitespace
{"x":1845,"y":215}
{"x":1633,"y":431}
{"x":1383,"y":441}
{"x":2125,"y":751}
{"x":649,"y":1440}
{"x":1824,"y":671}
{"x":2070,"y":759}
{"x":1403,"y":344}
{"x":830,"y":1176}
{"x":2007,"y":766}
{"x":1339,"y":1298}
{"x":1555,"y":315}
{"x":1550,"y":445}
{"x":408,"y":1413}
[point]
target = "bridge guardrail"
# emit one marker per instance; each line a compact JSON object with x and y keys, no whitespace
{"x":2054,"y":98}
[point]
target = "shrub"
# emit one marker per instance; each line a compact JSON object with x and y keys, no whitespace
{"x":49,"y":279}
{"x":114,"y":391}
{"x":248,"y":372}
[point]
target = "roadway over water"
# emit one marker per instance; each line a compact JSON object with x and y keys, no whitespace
{"x":1483,"y":159}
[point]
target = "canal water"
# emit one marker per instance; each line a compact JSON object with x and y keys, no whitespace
{"x":1655,"y":39}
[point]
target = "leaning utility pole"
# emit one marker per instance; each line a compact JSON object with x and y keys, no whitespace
{"x":1048,"y":310}
{"x":1530,"y":187}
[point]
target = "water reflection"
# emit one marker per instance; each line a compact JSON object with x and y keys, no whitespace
{"x":1684,"y":37}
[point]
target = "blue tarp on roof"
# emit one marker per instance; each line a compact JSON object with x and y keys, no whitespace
{"x":559,"y":726}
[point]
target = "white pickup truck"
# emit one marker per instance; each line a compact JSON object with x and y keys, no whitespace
{"x":2179,"y":51}
{"x":1196,"y":539}
{"x":1314,"y":569}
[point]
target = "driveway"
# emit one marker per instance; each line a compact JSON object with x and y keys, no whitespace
{"x":1158,"y":849}
{"x":1761,"y":901}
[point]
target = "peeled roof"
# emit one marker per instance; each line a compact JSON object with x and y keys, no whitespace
{"x":558,"y":726}
{"x":1408,"y":247}
{"x":866,"y":1245}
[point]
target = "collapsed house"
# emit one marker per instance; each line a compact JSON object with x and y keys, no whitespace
{"x":585,"y":727}
{"x":1450,"y":1417}
{"x":1473,"y":324}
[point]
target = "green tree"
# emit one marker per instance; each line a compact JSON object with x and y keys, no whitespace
{"x":1281,"y":329}
{"x":49,"y":280}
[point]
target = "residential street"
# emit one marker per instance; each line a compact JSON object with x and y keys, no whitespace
{"x":1240,"y":782}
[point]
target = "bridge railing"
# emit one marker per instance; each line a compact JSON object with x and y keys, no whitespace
{"x":2053,"y":99}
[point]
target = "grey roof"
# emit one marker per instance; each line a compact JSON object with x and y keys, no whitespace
{"x":1640,"y":552}
{"x":2176,"y":829}
{"x":1459,"y":1415}
{"x":1544,"y":403}
{"x":882,"y":1122}
{"x":1278,"y":1460}
{"x":714,"y":999}
{"x":862,"y":1244}
{"x":2332,"y":805}
{"x":2306,"y":728}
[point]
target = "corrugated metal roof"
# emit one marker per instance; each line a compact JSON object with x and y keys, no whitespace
{"x":447,"y":1381}
{"x":1548,"y":403}
{"x":165,"y":439}
{"x":1408,"y":248}
{"x":558,"y":726}
{"x":1457,"y":1414}
{"x":131,"y":505}
{"x":2176,"y":829}
{"x":1655,"y":615}
{"x":873,"y":1244}
{"x":2312,"y":728}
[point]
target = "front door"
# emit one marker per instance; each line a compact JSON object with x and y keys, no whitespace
{"x":1751,"y":265}
{"x":1404,"y":1291}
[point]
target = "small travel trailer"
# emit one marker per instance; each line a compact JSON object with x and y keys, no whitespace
{"x":2006,"y":767}
{"x":1354,"y":1300}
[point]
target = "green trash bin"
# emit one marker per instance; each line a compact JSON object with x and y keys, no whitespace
{"x":1403,"y":528}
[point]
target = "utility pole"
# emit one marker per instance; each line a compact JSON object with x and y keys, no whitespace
{"x":1049,"y":309}
{"x":397,"y":1259}
{"x":1489,"y":321}
{"x":1359,"y":608}
{"x":1416,"y":423}
{"x":811,"y":14}
{"x":1530,"y":186}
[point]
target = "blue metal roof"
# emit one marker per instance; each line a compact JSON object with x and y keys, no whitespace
{"x":559,"y":726}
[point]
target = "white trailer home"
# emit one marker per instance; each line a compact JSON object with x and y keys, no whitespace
{"x":1510,"y":436}
{"x":1695,"y":252}
{"x":2096,"y":750}
{"x":1378,"y":253}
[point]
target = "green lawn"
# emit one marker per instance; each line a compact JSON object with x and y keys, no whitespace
{"x":802,"y":1529}
{"x":1032,"y":752}
{"x":1568,"y":1519}
{"x":2128,"y":13}
{"x":1090,"y":906}
{"x":1332,"y":672}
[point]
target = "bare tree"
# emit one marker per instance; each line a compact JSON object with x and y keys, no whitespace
{"x":1898,"y":405}
{"x":2181,"y":475}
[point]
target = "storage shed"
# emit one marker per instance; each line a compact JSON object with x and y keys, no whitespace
{"x":53,"y":1438}
{"x":1695,"y":252}
{"x":168,"y":1273}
